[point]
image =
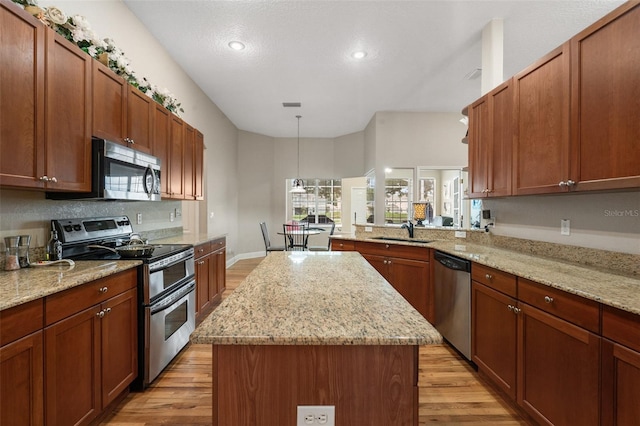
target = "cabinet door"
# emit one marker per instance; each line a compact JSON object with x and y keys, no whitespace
{"x":493,"y":336}
{"x":162,"y":146}
{"x":605,"y":91}
{"x":501,"y":141}
{"x":119,"y":344}
{"x":21,"y":98}
{"x":68,"y":112}
{"x":541,"y":132}
{"x":109,"y":104}
{"x":411,"y":279}
{"x":21,"y":380}
{"x":188,"y":152}
{"x":379,"y":263}
{"x":620,"y":384}
{"x":176,"y":173}
{"x":558,"y":370}
{"x":203,"y":278}
{"x":198,"y":167}
{"x":220,"y":270}
{"x":342,"y":245}
{"x":140,"y":111}
{"x":72,"y":369}
{"x":479,"y":137}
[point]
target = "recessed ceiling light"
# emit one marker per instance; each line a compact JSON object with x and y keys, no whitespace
{"x":236,"y":45}
{"x":359,"y":54}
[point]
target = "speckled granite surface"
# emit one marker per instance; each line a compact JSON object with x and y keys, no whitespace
{"x":24,"y":285}
{"x":315,"y":298}
{"x":193,"y":239}
{"x":614,"y":288}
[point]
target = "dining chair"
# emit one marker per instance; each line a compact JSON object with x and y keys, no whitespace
{"x":296,"y":236}
{"x":328,"y":246}
{"x":267,"y":243}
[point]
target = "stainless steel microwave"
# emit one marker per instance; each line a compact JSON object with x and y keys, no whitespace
{"x":118,"y":173}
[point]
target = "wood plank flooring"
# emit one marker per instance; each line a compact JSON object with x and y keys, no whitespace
{"x":451,"y":392}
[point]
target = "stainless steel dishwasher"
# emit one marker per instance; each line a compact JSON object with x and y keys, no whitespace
{"x":452,"y":285}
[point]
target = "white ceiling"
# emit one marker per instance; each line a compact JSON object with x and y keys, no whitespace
{"x":300,"y":51}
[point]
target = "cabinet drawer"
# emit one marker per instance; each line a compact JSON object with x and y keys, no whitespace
{"x":21,"y":320}
{"x":342,"y":245}
{"x":218,"y":244}
{"x":501,"y":281}
{"x":68,"y":302}
{"x":395,"y":250}
{"x":621,"y":326}
{"x":575,"y":309}
{"x":202,"y":249}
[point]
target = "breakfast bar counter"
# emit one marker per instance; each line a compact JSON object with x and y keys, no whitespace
{"x":315,"y":328}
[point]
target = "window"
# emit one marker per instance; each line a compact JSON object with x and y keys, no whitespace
{"x":320,"y":203}
{"x":398,"y":190}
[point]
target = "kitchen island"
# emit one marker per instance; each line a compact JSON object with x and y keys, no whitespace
{"x":315,"y":328}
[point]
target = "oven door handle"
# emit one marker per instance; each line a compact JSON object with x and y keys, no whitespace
{"x":166,"y":302}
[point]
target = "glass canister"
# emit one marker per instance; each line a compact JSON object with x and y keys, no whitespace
{"x":23,"y":250}
{"x":11,"y":262}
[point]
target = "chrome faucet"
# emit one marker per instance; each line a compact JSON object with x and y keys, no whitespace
{"x":409,"y":228}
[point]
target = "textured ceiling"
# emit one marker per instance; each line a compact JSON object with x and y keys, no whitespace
{"x":300,"y":51}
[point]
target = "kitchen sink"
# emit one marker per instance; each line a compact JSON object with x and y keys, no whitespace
{"x":405,"y":240}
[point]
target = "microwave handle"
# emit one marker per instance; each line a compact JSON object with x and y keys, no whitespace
{"x":149,"y":176}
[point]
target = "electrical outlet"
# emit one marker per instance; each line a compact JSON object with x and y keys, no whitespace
{"x":172,"y":216}
{"x":316,"y":415}
{"x":368,"y":229}
{"x":178,"y":212}
{"x":139,"y":219}
{"x":460,"y":234}
{"x":565,"y":227}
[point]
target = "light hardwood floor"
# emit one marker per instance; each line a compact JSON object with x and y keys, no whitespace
{"x":451,"y":392}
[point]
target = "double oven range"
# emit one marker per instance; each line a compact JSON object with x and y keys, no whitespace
{"x":166,"y":287}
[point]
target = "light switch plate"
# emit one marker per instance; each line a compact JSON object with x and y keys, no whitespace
{"x":368,"y":229}
{"x":460,"y":234}
{"x":565,"y":227}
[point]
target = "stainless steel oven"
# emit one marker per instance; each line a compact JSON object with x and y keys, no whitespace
{"x":172,"y":319}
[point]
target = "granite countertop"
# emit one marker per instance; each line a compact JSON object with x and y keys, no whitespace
{"x":24,"y":285}
{"x":601,"y":285}
{"x":315,"y":298}
{"x":193,"y":239}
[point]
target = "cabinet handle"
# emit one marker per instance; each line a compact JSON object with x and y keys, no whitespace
{"x":516,"y":310}
{"x":510,"y":307}
{"x":44,"y":178}
{"x":570,"y":182}
{"x":548,"y":299}
{"x":100,"y":314}
{"x":567,"y":183}
{"x":386,"y":246}
{"x":489,"y":277}
{"x":562,"y":183}
{"x":106,"y":311}
{"x":103,"y":289}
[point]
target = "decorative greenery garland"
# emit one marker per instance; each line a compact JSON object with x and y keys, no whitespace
{"x":76,"y":29}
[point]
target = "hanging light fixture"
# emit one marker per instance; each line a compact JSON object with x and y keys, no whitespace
{"x":298,"y":184}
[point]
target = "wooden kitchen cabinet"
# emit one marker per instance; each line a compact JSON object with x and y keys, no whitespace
{"x":68,"y":128}
{"x":140,"y":115}
{"x":494,"y":335}
{"x":21,"y":364}
{"x":605,"y":88}
{"x":490,"y":142}
{"x":46,"y":95}
{"x":176,"y":165}
{"x":541,"y":147}
{"x":210,"y":262}
{"x":90,"y":347}
{"x":558,"y":369}
{"x":338,"y":244}
{"x":406,"y":268}
{"x":109,"y":98}
{"x":162,"y":146}
{"x":620,"y":367}
{"x":188,"y":151}
{"x":22,"y":55}
{"x":198,"y":167}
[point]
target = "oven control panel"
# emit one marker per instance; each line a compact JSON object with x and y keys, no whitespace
{"x":84,"y":229}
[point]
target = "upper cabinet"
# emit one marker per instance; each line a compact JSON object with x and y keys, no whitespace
{"x":121,"y":113}
{"x":541,"y":118}
{"x":490,"y":140}
{"x":198,"y":167}
{"x":574,"y":117}
{"x":605,"y":88}
{"x":21,"y":98}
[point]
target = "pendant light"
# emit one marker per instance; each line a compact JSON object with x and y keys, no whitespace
{"x":298,"y":184}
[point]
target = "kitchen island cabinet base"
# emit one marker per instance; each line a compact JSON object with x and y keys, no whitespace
{"x":263,"y":384}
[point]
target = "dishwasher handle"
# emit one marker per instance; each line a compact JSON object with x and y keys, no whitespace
{"x":452,"y":262}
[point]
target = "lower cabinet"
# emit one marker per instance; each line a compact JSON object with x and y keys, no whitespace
{"x":338,"y":244}
{"x":90,"y":355}
{"x":210,"y":260}
{"x":407,"y":270}
{"x":21,"y":373}
{"x":558,"y":371}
